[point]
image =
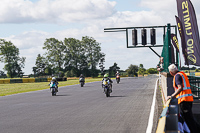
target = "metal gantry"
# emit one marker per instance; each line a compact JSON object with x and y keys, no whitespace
{"x":166,"y":53}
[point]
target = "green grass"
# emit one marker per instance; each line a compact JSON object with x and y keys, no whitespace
{"x":15,"y":88}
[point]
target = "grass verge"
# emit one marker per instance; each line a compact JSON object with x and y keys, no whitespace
{"x":15,"y":88}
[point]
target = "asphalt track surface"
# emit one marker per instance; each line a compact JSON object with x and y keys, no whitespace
{"x":78,"y":109}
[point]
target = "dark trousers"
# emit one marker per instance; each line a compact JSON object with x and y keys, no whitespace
{"x":186,"y":112}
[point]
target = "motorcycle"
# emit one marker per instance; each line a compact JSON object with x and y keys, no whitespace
{"x":118,"y":79}
{"x":53,"y":87}
{"x":82,"y":81}
{"x":107,"y":88}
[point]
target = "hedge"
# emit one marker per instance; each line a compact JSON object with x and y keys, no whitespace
{"x":16,"y":81}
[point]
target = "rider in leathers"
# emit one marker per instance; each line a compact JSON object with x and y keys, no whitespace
{"x":107,"y":78}
{"x":56,"y":82}
{"x":117,"y":74}
{"x":81,"y":76}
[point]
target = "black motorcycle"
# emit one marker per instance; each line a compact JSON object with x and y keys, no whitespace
{"x":53,"y":87}
{"x":82,"y":81}
{"x":107,"y":87}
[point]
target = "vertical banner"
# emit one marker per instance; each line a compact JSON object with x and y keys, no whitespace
{"x":187,"y":17}
{"x":183,"y":44}
{"x":172,"y":55}
{"x":176,"y":44}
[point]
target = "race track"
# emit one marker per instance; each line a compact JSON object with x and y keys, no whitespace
{"x":78,"y":109}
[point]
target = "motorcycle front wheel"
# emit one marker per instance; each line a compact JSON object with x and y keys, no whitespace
{"x":107,"y":93}
{"x":82,"y":84}
{"x":53,"y":92}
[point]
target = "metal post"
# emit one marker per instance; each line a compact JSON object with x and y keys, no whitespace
{"x":163,"y":34}
{"x":169,"y":43}
{"x":127,"y":37}
{"x":155,"y":52}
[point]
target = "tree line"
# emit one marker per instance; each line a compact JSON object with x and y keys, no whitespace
{"x":135,"y":70}
{"x":70,"y":57}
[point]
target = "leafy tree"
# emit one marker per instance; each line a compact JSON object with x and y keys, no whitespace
{"x":40,"y":65}
{"x":152,"y":71}
{"x":34,"y":71}
{"x":92,"y":53}
{"x":132,"y":70}
{"x":69,"y":73}
{"x":9,"y":54}
{"x":48,"y":70}
{"x":141,"y":70}
{"x":75,"y":56}
{"x":2,"y":74}
{"x":61,"y":74}
{"x":101,"y":65}
{"x":141,"y":66}
{"x":55,"y":54}
{"x":113,"y":69}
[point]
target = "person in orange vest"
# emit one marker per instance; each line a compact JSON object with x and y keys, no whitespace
{"x":183,"y":92}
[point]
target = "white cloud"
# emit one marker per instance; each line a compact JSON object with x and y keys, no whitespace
{"x":29,"y":39}
{"x":54,"y":11}
{"x":158,"y":5}
{"x":167,"y":9}
{"x":93,"y":16}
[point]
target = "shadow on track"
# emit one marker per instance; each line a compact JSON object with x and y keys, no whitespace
{"x":119,"y":83}
{"x":61,"y":95}
{"x":118,"y":96}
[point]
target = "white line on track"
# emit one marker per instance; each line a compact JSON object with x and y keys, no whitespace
{"x":150,"y":123}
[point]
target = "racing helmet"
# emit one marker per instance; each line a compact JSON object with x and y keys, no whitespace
{"x":54,"y":79}
{"x":106,"y":75}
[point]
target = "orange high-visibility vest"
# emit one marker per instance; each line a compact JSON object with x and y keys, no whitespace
{"x":186,"y":93}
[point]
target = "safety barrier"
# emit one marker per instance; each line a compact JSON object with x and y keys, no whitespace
{"x":168,"y":121}
{"x":29,"y":80}
{"x":16,"y":81}
{"x":49,"y":79}
{"x":4,"y":81}
{"x":162,"y":119}
{"x":41,"y":80}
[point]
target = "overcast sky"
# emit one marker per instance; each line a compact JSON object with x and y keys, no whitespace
{"x":27,"y":23}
